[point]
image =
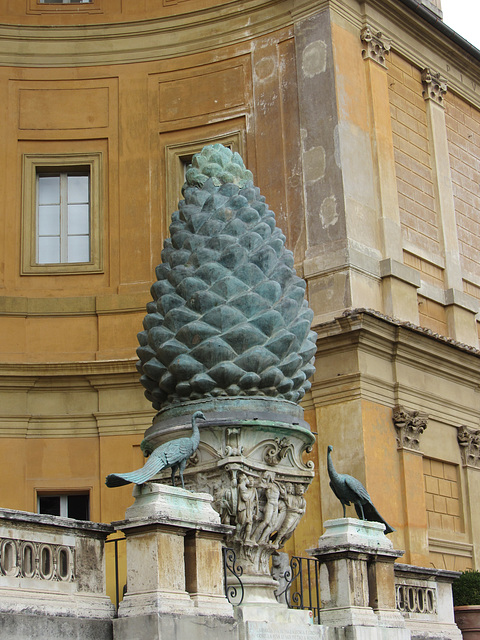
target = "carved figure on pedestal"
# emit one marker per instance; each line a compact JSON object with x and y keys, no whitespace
{"x":173,"y":454}
{"x":270,"y":512}
{"x":350,"y":490}
{"x":247,"y":507}
{"x":295,"y":508}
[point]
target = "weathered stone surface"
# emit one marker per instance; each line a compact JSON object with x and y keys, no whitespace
{"x":23,"y":626}
{"x":52,"y":578}
{"x":175,"y":627}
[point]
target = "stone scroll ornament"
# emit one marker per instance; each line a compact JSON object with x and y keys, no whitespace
{"x":228,"y":333}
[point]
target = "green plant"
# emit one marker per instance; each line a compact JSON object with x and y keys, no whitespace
{"x":466,"y":589}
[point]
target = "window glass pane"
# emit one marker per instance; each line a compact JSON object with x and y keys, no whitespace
{"x":78,"y":506}
{"x":48,"y":250}
{"x":78,"y":189}
{"x":78,"y":219}
{"x":78,"y":249}
{"x":48,"y":220}
{"x":49,"y":505}
{"x":49,"y":189}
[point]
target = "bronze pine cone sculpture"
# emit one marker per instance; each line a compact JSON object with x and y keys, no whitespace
{"x":228,"y":316}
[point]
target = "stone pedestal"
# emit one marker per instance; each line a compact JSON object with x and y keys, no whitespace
{"x":174,"y":567}
{"x":250,"y":459}
{"x":276,"y":622}
{"x":357,"y":580}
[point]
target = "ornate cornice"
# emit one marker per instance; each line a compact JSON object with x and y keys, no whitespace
{"x":409,"y":426}
{"x":159,"y":38}
{"x":376,"y":45}
{"x":469,"y":443}
{"x":434,"y":87}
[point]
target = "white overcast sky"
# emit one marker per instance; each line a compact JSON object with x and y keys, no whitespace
{"x":463,"y":16}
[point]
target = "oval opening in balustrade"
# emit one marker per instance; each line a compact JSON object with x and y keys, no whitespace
{"x":46,"y":564}
{"x":63,"y":563}
{"x":430,"y":601}
{"x":28,"y":560}
{"x":411,"y":599}
{"x":9,"y":558}
{"x":421,"y":601}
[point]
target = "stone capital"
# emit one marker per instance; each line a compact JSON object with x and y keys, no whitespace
{"x":469,"y":443}
{"x":409,"y":426}
{"x":434,"y":87}
{"x":376,"y":45}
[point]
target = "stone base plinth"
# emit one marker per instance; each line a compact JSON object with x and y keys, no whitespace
{"x":276,"y":622}
{"x":21,"y":626}
{"x":357,"y":580}
{"x":174,"y":556}
{"x":175,"y":627}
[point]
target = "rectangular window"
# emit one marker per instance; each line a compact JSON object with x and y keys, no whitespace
{"x":61,"y":214}
{"x":67,"y":505}
{"x":64,"y":1}
{"x":63,"y":217}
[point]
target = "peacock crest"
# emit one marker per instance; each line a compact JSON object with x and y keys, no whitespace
{"x":228,"y":316}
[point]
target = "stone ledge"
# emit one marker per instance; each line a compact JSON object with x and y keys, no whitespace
{"x":425,"y":573}
{"x":28,"y":518}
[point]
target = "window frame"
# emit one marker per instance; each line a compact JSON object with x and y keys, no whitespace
{"x":35,"y":164}
{"x":179,"y":155}
{"x":64,"y":495}
{"x":35,"y":6}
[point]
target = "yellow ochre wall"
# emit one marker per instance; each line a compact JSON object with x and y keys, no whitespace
{"x":347,"y":153}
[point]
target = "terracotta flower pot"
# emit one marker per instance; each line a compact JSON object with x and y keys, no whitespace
{"x":468,"y":621}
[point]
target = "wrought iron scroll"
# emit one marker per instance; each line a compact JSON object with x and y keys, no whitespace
{"x":302,"y":588}
{"x":232,"y":570}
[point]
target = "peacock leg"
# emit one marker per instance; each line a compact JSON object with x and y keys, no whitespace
{"x":344,"y":512}
{"x":173,"y":476}
{"x":361,"y":509}
{"x":181,"y":478}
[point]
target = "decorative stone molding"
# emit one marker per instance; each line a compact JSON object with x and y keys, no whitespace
{"x":39,"y":560}
{"x":377,"y":45}
{"x":469,"y":443}
{"x":409,"y":426}
{"x":434,"y":87}
{"x":416,"y":598}
{"x":276,"y":451}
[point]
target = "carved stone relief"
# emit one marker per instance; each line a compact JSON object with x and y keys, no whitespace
{"x":469,"y":443}
{"x":434,"y":88}
{"x":376,"y":45}
{"x":409,"y":426}
{"x":41,"y":561}
{"x":416,"y":598}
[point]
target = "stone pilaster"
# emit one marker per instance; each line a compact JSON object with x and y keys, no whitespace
{"x":376,"y":45}
{"x":399,"y":282}
{"x":469,"y":444}
{"x":409,"y":426}
{"x":460,"y":308}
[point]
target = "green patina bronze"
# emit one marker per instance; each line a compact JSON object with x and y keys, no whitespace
{"x":228,"y":316}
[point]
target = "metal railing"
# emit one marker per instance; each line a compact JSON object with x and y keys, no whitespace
{"x":302,"y":586}
{"x":232,"y":574}
{"x":299,"y":588}
{"x":116,"y":597}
